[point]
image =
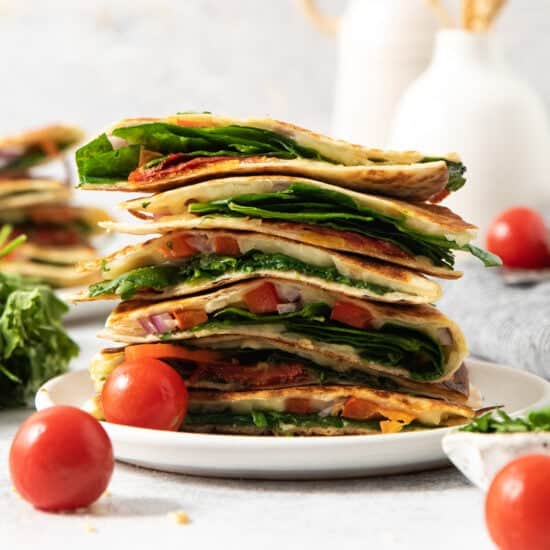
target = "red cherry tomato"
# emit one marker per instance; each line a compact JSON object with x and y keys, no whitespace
{"x":520,"y":237}
{"x":517,"y":504}
{"x":61,"y":459}
{"x":147,"y":393}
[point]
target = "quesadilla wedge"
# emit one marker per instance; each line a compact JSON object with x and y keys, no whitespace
{"x":420,"y":236}
{"x":25,"y":192}
{"x":52,"y":264}
{"x":28,"y":149}
{"x":188,"y":262}
{"x":328,"y":410}
{"x":235,"y":363}
{"x":415,"y":342}
{"x":153,"y":154}
{"x":55,"y":224}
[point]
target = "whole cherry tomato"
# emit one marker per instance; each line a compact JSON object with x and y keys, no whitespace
{"x":147,"y":393}
{"x":61,"y":459}
{"x":518,"y":503}
{"x":520,"y":237}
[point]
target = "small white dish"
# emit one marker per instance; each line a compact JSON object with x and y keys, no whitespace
{"x":296,"y":457}
{"x":480,"y":456}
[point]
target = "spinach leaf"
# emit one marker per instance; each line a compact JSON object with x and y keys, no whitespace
{"x":210,"y":266}
{"x":308,"y":204}
{"x":456,"y":172}
{"x":275,"y":422}
{"x":391,"y":345}
{"x":99,"y":162}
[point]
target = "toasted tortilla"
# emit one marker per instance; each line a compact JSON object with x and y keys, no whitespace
{"x":390,"y":411}
{"x":403,"y":285}
{"x":123,"y":325}
{"x":454,"y":390}
{"x":167,"y":211}
{"x":399,"y":174}
{"x":25,"y":192}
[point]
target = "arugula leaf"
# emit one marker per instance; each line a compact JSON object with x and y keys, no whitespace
{"x":500,"y":422}
{"x":206,"y":267}
{"x":33,"y":344}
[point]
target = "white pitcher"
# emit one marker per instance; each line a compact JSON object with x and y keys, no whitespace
{"x":470,"y":102}
{"x":383,"y":45}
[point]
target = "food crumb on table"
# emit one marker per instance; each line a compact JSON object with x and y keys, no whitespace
{"x":179,"y":517}
{"x":89,"y":528}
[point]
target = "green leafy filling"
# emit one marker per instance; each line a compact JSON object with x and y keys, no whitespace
{"x":391,"y":345}
{"x":33,"y":344}
{"x":279,"y":422}
{"x":274,"y":357}
{"x":500,"y":422}
{"x":210,"y":266}
{"x":99,"y":162}
{"x":309,"y":204}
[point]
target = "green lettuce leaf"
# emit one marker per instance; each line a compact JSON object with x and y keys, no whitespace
{"x":210,"y":266}
{"x":33,"y":344}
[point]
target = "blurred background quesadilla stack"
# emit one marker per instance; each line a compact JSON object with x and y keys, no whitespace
{"x":288,"y":284}
{"x":58,"y":233}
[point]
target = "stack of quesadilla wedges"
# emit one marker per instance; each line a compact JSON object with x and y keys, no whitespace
{"x":58,"y":234}
{"x":286,"y":281}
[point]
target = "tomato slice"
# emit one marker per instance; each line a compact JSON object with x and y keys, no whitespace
{"x":262,"y":299}
{"x":189,"y":318}
{"x":170,"y":351}
{"x":177,"y":247}
{"x":298,"y":405}
{"x":352,"y":315}
{"x":358,"y":409}
{"x":226,"y":246}
{"x":439,"y":196}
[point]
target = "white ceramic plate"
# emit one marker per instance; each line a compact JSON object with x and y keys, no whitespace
{"x":296,"y":457}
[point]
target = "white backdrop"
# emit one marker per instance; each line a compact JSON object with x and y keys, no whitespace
{"x":92,"y":62}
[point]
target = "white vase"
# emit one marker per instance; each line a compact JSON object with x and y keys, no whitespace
{"x":383,"y":45}
{"x":470,"y":102}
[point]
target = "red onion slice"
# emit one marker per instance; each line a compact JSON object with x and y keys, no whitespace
{"x":147,"y":325}
{"x":163,"y":322}
{"x":288,"y":293}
